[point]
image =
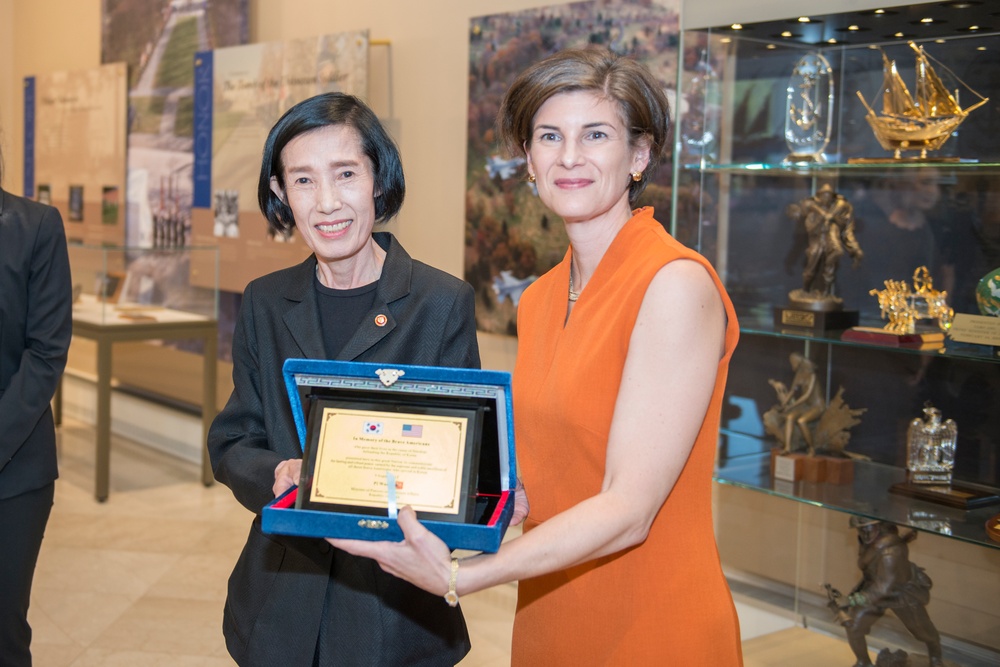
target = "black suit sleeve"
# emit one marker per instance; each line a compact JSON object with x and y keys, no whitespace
{"x":47,"y":333}
{"x":460,"y":347}
{"x":237,"y":442}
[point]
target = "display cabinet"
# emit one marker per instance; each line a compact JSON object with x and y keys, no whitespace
{"x":769,"y":117}
{"x":124,"y":285}
{"x":123,"y":294}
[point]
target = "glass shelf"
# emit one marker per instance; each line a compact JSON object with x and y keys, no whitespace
{"x":817,"y":168}
{"x":867,"y":496}
{"x":758,"y":325}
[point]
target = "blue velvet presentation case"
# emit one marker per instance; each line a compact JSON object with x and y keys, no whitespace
{"x":492,"y":476}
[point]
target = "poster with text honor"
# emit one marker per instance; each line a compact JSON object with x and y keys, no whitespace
{"x":240,"y":92}
{"x":75,"y":149}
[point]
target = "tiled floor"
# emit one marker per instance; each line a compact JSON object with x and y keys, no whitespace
{"x":141,"y":578}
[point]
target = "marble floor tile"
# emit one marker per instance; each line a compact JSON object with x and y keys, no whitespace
{"x":80,"y":615}
{"x":126,"y":573}
{"x":196,"y":577}
{"x":55,"y":655}
{"x":167,"y":625}
{"x":123,"y":658}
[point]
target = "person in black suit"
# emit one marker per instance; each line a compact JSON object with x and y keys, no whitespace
{"x":36,"y":323}
{"x":330,"y":171}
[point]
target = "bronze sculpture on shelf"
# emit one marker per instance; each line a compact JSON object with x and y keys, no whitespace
{"x":801,"y":404}
{"x":889,"y":581}
{"x":829,"y":224}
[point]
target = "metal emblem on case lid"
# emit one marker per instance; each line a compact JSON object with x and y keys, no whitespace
{"x":388,"y":376}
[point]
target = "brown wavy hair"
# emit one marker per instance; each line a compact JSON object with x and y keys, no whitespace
{"x":643,"y":108}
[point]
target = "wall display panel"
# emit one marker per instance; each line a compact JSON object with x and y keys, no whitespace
{"x":240,"y":93}
{"x":158,"y":40}
{"x":75,"y":149}
{"x":511,"y":238}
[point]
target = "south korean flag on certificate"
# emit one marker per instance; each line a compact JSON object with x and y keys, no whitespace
{"x":373,"y":428}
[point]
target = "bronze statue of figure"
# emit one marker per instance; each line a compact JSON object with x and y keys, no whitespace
{"x":798,"y":404}
{"x":889,"y":581}
{"x":803,"y":415}
{"x":829,"y":224}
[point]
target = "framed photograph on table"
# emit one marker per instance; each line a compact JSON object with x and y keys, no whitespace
{"x":109,"y":286}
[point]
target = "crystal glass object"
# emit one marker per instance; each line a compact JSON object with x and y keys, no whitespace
{"x":930,"y":448}
{"x":809,"y":109}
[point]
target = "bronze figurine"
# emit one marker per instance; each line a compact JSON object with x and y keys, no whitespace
{"x":829,"y":224}
{"x":889,"y":581}
{"x":802,"y":414}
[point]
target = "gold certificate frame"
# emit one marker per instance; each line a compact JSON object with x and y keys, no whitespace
{"x":430,"y":448}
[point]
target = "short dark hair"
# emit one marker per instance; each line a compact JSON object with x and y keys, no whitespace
{"x":643,"y":107}
{"x":327,"y":110}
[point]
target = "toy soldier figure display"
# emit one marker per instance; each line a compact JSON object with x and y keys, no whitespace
{"x":829,"y":224}
{"x":889,"y":581}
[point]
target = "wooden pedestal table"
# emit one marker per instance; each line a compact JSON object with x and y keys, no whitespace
{"x":106,"y":326}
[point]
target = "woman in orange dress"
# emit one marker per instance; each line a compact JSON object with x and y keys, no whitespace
{"x":622,"y":361}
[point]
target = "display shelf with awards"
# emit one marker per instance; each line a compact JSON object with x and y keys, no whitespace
{"x":376,"y":438}
{"x":933,"y":343}
{"x":796,"y":240}
{"x":865,"y":495}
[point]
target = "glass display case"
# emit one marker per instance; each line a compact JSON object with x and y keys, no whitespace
{"x":124,"y":285}
{"x":782,"y":118}
{"x":128,"y":294}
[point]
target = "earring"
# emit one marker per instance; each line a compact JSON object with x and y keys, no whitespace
{"x":636,"y":176}
{"x":531,"y":177}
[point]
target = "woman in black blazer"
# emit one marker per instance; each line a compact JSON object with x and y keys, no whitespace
{"x":330,"y":172}
{"x":36,"y":323}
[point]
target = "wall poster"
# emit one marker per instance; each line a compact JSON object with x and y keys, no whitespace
{"x":75,"y":149}
{"x":511,"y":238}
{"x":159,"y":39}
{"x":240,"y":92}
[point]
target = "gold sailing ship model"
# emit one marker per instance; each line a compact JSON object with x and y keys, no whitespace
{"x":921,"y":122}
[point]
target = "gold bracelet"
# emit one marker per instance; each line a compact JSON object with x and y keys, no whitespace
{"x":451,"y":597}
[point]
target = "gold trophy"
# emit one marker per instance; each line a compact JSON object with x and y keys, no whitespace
{"x":919,"y":122}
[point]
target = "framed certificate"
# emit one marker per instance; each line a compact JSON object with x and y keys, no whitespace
{"x":424,"y":446}
{"x":440,"y":439}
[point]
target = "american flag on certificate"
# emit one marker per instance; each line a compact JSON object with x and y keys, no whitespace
{"x":413,"y":430}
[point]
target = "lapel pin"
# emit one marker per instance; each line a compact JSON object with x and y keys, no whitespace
{"x":381,"y":320}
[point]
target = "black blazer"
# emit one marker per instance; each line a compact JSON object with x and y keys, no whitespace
{"x":36,"y":324}
{"x":277,"y":590}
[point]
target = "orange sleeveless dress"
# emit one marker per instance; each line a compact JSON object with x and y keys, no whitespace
{"x":664,"y":602}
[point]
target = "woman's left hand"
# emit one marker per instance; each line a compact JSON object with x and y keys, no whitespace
{"x":521,"y":506}
{"x":421,"y":558}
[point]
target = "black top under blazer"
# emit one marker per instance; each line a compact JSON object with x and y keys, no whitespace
{"x":277,"y":590}
{"x":36,"y":324}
